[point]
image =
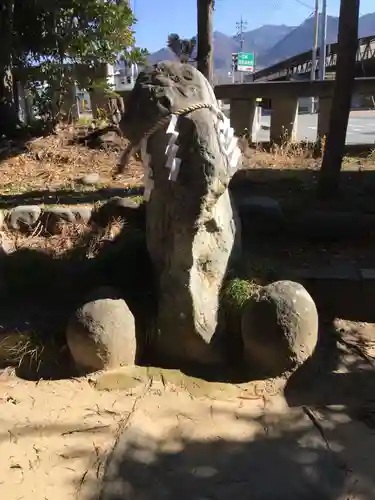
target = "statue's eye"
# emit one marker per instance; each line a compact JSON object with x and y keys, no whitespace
{"x":187,"y":74}
{"x":165,"y":102}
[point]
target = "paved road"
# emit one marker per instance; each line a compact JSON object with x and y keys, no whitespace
{"x":361,"y":129}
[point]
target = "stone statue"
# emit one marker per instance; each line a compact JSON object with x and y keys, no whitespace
{"x":193,"y":232}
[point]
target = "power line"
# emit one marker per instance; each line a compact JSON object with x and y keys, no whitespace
{"x":297,"y":27}
{"x":304,"y":4}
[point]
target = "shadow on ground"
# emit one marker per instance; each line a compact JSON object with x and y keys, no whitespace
{"x":300,"y":453}
{"x":40,"y":292}
{"x":296,"y":187}
{"x":317,"y":443}
{"x":287,"y":461}
{"x":170,"y":445}
{"x":66,"y":196}
{"x":18,"y":144}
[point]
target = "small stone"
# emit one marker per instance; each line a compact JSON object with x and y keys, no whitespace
{"x":23,"y":217}
{"x":54,"y":218}
{"x":91,"y":179}
{"x":82,"y":215}
{"x":120,"y":208}
{"x":101,"y":333}
{"x":259,"y":213}
{"x":259,"y":203}
{"x":279,"y":328}
{"x":367,"y":274}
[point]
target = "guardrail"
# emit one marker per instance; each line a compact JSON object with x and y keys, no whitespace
{"x":284,"y":98}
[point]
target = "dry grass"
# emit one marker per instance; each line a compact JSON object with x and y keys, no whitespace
{"x":84,"y":237}
{"x":287,"y":155}
{"x":56,"y":245}
{"x":28,"y":348}
{"x":51,"y":163}
{"x":303,"y":155}
{"x":289,"y":173}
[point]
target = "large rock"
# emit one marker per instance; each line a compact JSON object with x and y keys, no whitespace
{"x":101,"y":333}
{"x":279,"y":328}
{"x":193,"y":229}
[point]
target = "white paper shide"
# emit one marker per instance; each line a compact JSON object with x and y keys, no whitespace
{"x":229,"y":142}
{"x":173,"y":163}
{"x":227,"y":139}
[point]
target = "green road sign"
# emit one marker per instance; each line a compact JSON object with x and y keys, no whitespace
{"x":246,"y":62}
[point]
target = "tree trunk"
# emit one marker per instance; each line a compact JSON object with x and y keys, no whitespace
{"x":205,"y":10}
{"x":345,"y":74}
{"x":8,"y":109}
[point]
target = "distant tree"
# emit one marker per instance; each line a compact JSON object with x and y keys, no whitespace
{"x":342,"y":97}
{"x":182,"y":47}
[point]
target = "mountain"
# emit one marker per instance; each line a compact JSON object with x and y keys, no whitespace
{"x":164,"y":54}
{"x":367,"y":25}
{"x":265,"y":37}
{"x":257,"y":41}
{"x":297,"y":41}
{"x":300,"y":39}
{"x":270,"y":43}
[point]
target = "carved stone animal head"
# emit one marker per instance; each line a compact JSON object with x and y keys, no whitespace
{"x":160,"y":90}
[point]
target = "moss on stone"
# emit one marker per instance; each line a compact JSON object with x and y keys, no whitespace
{"x":236,"y":293}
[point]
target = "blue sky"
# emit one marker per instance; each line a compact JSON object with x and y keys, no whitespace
{"x":158,"y":18}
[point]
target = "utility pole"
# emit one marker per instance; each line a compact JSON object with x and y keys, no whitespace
{"x":234,"y":66}
{"x":323,"y":42}
{"x":205,"y":9}
{"x":329,"y":175}
{"x":314,"y":51}
{"x":240,"y":27}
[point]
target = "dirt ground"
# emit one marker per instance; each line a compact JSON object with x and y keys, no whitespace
{"x":48,"y":164}
{"x":146,"y":436}
{"x":139,"y":433}
{"x":47,"y":170}
{"x":56,"y":435}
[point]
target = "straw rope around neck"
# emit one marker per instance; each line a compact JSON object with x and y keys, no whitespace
{"x":132,"y":149}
